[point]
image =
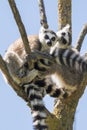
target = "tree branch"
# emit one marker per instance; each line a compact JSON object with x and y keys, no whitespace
{"x":64,"y":13}
{"x":64,"y":110}
{"x":20,"y":25}
{"x":17,"y":88}
{"x":43,"y":19}
{"x":81,"y":37}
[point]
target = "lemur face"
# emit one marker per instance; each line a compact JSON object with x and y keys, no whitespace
{"x":64,"y":37}
{"x":47,"y":37}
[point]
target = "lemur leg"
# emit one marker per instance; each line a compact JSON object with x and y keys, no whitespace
{"x":37,"y":106}
{"x":55,"y":92}
{"x":17,"y":70}
{"x":13,"y":63}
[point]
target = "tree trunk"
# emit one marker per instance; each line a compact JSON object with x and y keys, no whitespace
{"x":64,"y":109}
{"x":64,"y":13}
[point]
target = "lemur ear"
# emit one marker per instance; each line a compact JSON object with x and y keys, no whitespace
{"x":42,"y":29}
{"x":67,"y":27}
{"x":41,"y":34}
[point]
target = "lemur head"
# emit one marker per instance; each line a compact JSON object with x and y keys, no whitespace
{"x":47,"y":37}
{"x":64,"y":37}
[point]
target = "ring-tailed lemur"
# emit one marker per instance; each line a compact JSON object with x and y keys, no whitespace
{"x":35,"y":85}
{"x":67,"y":58}
{"x":65,"y":54}
{"x":48,"y":38}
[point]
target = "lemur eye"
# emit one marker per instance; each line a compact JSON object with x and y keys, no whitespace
{"x":53,"y":38}
{"x":63,"y":33}
{"x":46,"y":37}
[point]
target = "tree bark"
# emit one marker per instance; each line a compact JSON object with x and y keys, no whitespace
{"x":43,"y":18}
{"x":64,"y":13}
{"x":20,"y":25}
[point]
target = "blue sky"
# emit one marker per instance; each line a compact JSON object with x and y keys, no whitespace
{"x":14,"y":113}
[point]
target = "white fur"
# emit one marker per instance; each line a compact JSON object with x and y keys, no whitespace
{"x":65,"y":30}
{"x":44,"y":41}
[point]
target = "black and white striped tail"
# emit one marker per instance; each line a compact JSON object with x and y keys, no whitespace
{"x":37,"y":106}
{"x":70,"y":58}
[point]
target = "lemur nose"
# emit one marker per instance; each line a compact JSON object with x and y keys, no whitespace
{"x":64,"y":41}
{"x":49,"y":43}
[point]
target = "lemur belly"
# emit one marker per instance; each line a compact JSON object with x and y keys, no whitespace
{"x":59,"y":81}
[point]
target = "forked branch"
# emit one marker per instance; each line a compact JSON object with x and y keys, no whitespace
{"x":20,"y":25}
{"x":43,"y":18}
